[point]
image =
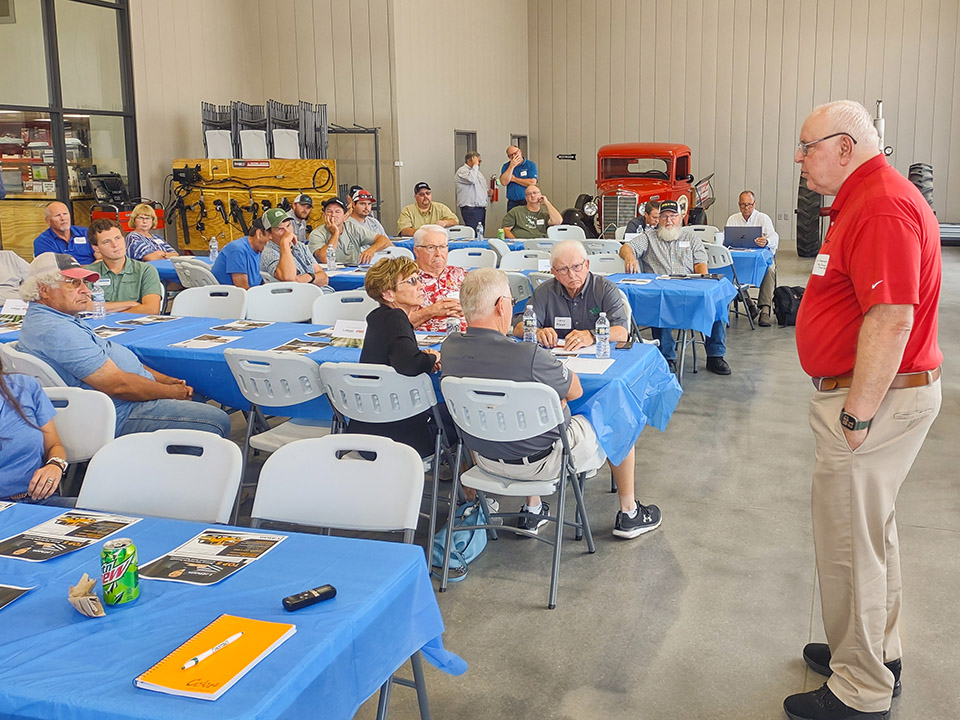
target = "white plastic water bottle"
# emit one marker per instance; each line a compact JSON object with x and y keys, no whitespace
{"x":331,"y":257}
{"x":453,"y":325}
{"x":529,"y":324}
{"x":602,"y":335}
{"x":99,"y":301}
{"x":479,"y":231}
{"x":214,"y":249}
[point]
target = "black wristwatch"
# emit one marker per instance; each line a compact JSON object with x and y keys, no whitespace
{"x":853,"y":423}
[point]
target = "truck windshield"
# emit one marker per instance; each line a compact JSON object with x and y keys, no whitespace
{"x":634,"y":167}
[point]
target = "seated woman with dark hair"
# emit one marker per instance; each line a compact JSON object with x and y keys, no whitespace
{"x":395,"y":283}
{"x":32,"y":460}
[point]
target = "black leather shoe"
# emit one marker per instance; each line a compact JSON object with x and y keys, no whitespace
{"x":718,"y":365}
{"x":672,"y":364}
{"x":822,"y":704}
{"x":817,"y":658}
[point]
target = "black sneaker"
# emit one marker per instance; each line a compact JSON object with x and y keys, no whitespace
{"x":529,"y":521}
{"x":817,"y":657}
{"x":718,"y":365}
{"x":672,"y":364}
{"x":822,"y":704}
{"x":647,"y":519}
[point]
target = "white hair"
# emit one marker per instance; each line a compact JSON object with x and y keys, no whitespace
{"x":480,"y":291}
{"x":851,"y":117}
{"x":421,"y":232}
{"x":559,"y":248}
{"x":30,"y":289}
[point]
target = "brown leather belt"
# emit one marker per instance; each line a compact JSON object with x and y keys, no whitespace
{"x":903,"y":380}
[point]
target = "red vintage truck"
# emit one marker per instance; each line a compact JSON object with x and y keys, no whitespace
{"x":629,"y":174}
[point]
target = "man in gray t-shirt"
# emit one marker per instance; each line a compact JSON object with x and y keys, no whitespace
{"x":354,"y":244}
{"x":568,"y":306}
{"x":485,"y":351}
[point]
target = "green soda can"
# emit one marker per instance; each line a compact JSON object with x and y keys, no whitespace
{"x":118,"y":563}
{"x":501,"y":234}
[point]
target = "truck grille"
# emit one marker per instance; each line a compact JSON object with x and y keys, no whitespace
{"x":616,"y":210}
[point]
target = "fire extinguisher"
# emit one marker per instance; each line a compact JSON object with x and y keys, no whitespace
{"x":495,"y":186}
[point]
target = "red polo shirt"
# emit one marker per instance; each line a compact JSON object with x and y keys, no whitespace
{"x":883,"y":247}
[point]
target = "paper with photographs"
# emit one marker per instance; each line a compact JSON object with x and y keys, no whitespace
{"x":241,"y":325}
{"x":204,"y":342}
{"x":210,"y":557}
{"x":9,"y":593}
{"x":107,"y":332}
{"x":147,"y":320}
{"x":301,"y":347}
{"x":63,"y":534}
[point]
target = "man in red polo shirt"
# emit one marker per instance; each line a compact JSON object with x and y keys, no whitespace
{"x":867,"y":335}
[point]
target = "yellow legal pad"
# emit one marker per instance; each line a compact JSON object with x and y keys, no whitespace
{"x":216,"y":672}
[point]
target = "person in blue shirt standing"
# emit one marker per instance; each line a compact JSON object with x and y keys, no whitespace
{"x":239,"y":261}
{"x":61,"y":236}
{"x":517,"y":174}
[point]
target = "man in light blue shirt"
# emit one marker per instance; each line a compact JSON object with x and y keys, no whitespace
{"x":239,"y":261}
{"x":145,"y":399}
{"x":517,"y":174}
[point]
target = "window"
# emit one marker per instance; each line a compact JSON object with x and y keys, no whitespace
{"x":22,"y":55}
{"x":634,"y":168}
{"x":464,"y":141}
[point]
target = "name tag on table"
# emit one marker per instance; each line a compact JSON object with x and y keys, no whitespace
{"x":562,"y":323}
{"x":630,"y":237}
{"x":14,"y":306}
{"x":543,"y":265}
{"x":820,"y":264}
{"x":354,"y":329}
{"x":79,"y":240}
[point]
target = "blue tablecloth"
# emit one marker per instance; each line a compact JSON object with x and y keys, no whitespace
{"x":168,"y":273}
{"x":751,"y":265}
{"x":688,"y":304}
{"x":458,"y":244}
{"x":61,"y":664}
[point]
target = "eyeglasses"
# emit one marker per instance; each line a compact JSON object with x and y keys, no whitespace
{"x":750,"y":204}
{"x":412,"y":280}
{"x":74,"y":283}
{"x":803,"y":147}
{"x":432,"y":248}
{"x":571,"y":269}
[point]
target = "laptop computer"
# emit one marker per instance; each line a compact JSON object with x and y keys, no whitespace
{"x":740,"y":237}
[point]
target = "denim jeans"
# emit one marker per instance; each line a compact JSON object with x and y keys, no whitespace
{"x":183,"y":414}
{"x":473,"y":215}
{"x":52,"y":501}
{"x":715,"y":344}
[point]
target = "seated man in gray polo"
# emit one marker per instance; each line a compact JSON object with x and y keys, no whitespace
{"x":568,"y":306}
{"x":145,"y":399}
{"x":284,"y":257}
{"x":485,"y":351}
{"x":353,"y":244}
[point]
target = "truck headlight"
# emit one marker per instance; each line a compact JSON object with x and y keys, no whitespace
{"x":590,"y":208}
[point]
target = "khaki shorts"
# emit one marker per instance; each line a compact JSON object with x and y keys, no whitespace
{"x":584,"y":447}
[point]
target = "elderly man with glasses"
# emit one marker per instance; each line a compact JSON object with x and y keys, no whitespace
{"x":749,"y":216}
{"x":440,"y":281}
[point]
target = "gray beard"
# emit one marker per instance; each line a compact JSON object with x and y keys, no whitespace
{"x":669,"y":234}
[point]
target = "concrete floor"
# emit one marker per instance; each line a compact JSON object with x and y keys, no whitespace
{"x":706,"y":617}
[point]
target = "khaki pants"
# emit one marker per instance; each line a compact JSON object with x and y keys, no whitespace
{"x":855,"y":533}
{"x":767,"y":286}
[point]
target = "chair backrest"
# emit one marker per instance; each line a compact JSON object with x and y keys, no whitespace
{"x":392,"y":251}
{"x":282,"y":302}
{"x":520,"y":287}
{"x":469,"y":258}
{"x":501,"y":410}
{"x":607,"y":263}
{"x":376,"y":393}
{"x":627,"y":307}
{"x":20,"y":362}
{"x":706,"y":233}
{"x":620,"y":232}
{"x":523,"y":260}
{"x":86,"y":420}
{"x":226,"y":302}
{"x":539,"y":278}
{"x":566,"y":232}
{"x":183,"y":474}
{"x":461,"y":232}
{"x":193,"y":272}
{"x":718,"y":256}
{"x":272,"y":379}
{"x":343,"y":305}
{"x":598,"y":247}
{"x":544,"y":245}
{"x":499,"y":246}
{"x":342,"y":490}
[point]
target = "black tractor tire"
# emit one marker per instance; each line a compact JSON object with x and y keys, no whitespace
{"x":808,"y":220}
{"x":698,"y":216}
{"x":921,"y":175}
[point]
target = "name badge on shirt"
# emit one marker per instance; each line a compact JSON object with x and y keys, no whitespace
{"x":523,"y":173}
{"x":562,"y":323}
{"x":540,"y":221}
{"x":79,"y":240}
{"x":820,"y":264}
{"x":103,"y":282}
{"x":684,"y":243}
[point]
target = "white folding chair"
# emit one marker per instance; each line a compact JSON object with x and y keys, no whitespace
{"x":344,"y":490}
{"x":566,"y":232}
{"x":520,"y":288}
{"x":542,"y":245}
{"x":506,"y":411}
{"x":226,"y":302}
{"x":602,"y":247}
{"x":392,"y":251}
{"x":469,"y":258}
{"x":539,"y":278}
{"x":86,"y":420}
{"x":523,"y":260}
{"x":607,"y":263}
{"x":620,"y":232}
{"x":282,"y":302}
{"x":17,"y":361}
{"x":706,"y":233}
{"x":343,"y":305}
{"x":193,"y":272}
{"x":372,"y":393}
{"x":183,"y":474}
{"x":499,"y":247}
{"x":461,"y":232}
{"x":718,"y":258}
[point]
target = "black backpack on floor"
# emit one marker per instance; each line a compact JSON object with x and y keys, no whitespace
{"x":786,"y":303}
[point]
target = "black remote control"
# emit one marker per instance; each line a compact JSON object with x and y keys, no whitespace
{"x":309,"y":597}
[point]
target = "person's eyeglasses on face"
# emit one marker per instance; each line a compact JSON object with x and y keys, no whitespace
{"x":803,"y":147}
{"x":412,"y":280}
{"x":434,"y":248}
{"x":571,"y":269}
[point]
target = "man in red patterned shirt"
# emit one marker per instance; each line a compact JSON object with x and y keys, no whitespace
{"x":440,"y":281}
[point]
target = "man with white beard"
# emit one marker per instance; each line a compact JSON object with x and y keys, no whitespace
{"x":669,"y":249}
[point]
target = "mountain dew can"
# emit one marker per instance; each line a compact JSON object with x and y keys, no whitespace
{"x":118,"y":563}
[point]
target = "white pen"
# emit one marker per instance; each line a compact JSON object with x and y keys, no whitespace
{"x":207,"y":653}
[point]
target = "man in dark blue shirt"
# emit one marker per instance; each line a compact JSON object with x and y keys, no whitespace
{"x":517,"y":174}
{"x":63,"y":237}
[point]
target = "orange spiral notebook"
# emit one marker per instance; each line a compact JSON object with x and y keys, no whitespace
{"x":209,"y":663}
